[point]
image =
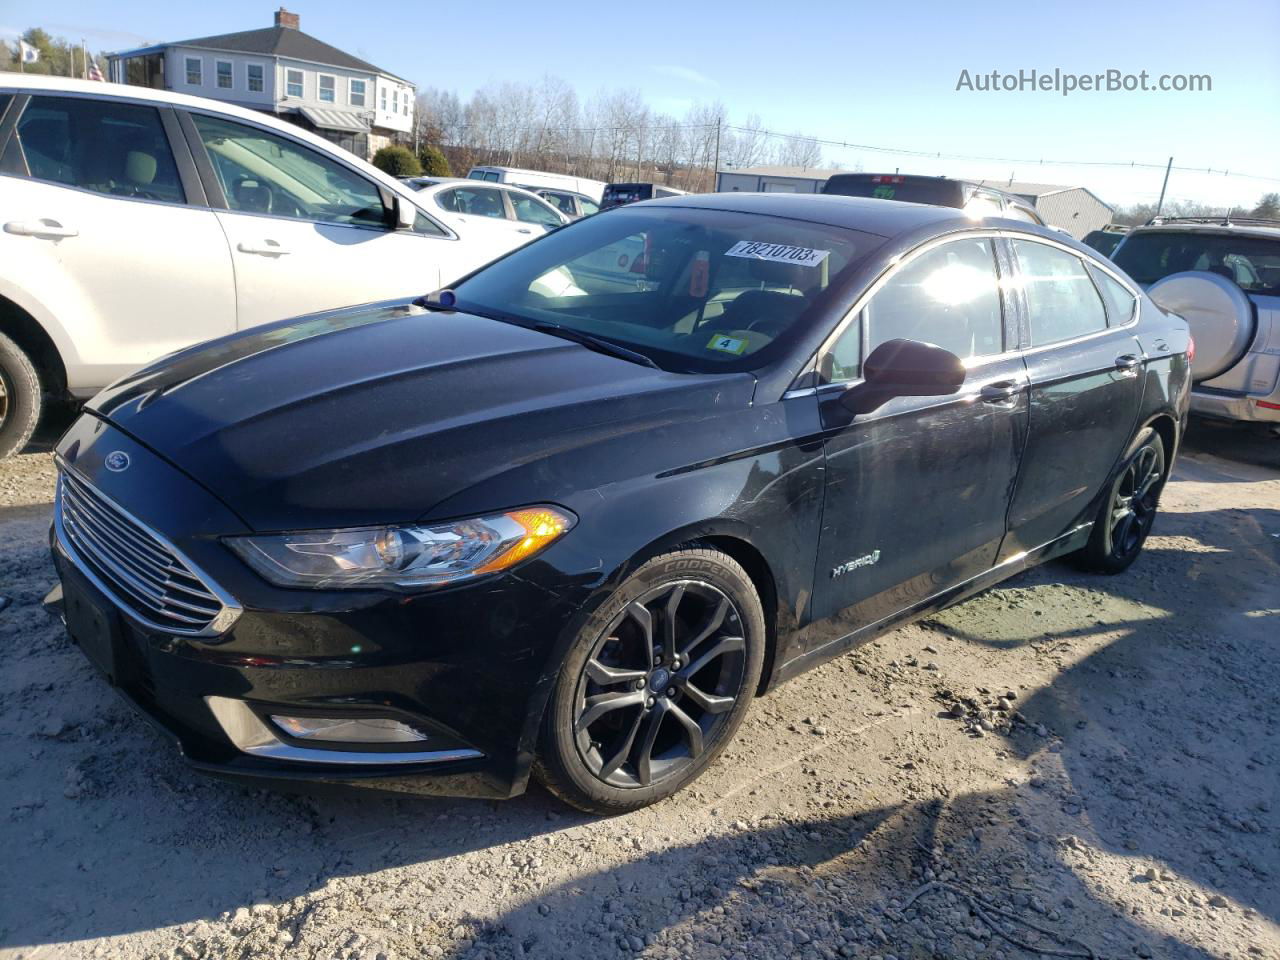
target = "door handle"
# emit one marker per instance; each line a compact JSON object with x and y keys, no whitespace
{"x":1002,"y":391}
{"x":1128,"y":362}
{"x":266,"y":248}
{"x":44,"y":228}
{"x":524,"y":230}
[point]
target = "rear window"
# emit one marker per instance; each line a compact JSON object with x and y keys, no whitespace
{"x":695,"y":290}
{"x":939,"y":193}
{"x":1252,"y":262}
{"x":627,"y":192}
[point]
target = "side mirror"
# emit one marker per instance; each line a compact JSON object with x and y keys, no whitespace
{"x":406,"y":213}
{"x":904,"y":368}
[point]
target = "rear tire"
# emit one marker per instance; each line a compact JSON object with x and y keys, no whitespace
{"x":1129,"y":509}
{"x":20,"y":398}
{"x":656,"y":684}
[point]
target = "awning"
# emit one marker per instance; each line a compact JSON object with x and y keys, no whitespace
{"x":335,"y":119}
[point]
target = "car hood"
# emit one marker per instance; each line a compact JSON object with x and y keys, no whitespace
{"x":377,"y":414}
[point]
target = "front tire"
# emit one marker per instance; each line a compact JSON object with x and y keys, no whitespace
{"x":19,"y":398}
{"x":656,"y":684}
{"x":1129,"y":510}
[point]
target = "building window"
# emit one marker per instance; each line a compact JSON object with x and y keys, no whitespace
{"x":382,"y":94}
{"x":356,"y":93}
{"x":195,"y":71}
{"x":293,"y":83}
{"x":327,"y":86}
{"x":253,"y":73}
{"x":395,"y":100}
{"x":406,"y":103}
{"x":224,"y":74}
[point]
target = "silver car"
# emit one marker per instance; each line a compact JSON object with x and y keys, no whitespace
{"x":1223,"y":276}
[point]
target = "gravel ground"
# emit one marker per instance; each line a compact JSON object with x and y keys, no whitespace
{"x":1066,"y":765}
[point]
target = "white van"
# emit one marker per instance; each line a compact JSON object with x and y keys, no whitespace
{"x":536,"y":179}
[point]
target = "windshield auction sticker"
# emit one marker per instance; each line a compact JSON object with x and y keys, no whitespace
{"x":778,"y":252}
{"x":727,"y":344}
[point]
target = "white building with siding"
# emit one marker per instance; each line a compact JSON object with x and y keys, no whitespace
{"x":1076,"y":210}
{"x":281,"y":70}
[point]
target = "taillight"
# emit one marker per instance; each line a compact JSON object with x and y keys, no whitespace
{"x":1191,"y":348}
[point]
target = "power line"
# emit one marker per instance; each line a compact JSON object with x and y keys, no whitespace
{"x":940,"y":155}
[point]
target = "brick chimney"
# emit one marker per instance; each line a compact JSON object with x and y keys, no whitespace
{"x":286,"y":19}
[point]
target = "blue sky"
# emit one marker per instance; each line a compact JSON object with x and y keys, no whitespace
{"x":881,"y":74}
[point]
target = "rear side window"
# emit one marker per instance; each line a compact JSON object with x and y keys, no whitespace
{"x":475,"y":202}
{"x":588,"y":207}
{"x":118,"y":149}
{"x":1061,"y":299}
{"x":1119,"y":301}
{"x":4,"y":103}
{"x":561,"y":200}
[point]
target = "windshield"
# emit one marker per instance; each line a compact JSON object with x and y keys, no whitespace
{"x":1253,"y":262}
{"x":692,"y":289}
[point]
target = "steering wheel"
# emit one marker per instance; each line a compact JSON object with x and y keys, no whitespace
{"x":263,"y":197}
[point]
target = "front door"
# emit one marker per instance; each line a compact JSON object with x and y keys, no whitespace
{"x":917,"y":491}
{"x":308,"y":233}
{"x":1086,"y":389}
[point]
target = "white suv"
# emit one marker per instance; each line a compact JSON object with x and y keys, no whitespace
{"x":1223,"y":277}
{"x":135,"y":222}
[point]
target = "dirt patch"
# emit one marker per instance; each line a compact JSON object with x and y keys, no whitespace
{"x":1067,"y":765}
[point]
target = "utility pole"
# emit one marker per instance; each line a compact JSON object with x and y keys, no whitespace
{"x":715,"y":173}
{"x":1164,"y":186}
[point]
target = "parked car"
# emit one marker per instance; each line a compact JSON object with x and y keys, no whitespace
{"x":975,"y":199}
{"x":1107,"y":239}
{"x":575,"y":206}
{"x":1223,"y":276}
{"x":493,"y":216}
{"x":617,"y":194}
{"x":137,"y":222}
{"x":440,"y":545}
{"x":533,"y":179}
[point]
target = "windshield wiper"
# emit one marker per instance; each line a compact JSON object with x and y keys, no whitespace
{"x":598,"y":344}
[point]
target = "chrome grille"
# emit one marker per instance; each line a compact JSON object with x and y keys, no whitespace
{"x":140,"y":571}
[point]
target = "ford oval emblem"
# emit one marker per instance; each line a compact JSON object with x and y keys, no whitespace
{"x":117,"y":461}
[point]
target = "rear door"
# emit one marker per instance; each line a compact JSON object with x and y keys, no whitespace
{"x":99,"y":225}
{"x":308,"y":232}
{"x":918,"y":490}
{"x":1085,"y":372}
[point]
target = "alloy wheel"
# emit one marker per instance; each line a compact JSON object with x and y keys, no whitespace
{"x":657,"y":690}
{"x":4,"y":398}
{"x":1133,"y":502}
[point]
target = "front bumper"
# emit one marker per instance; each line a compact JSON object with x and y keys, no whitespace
{"x":471,"y":665}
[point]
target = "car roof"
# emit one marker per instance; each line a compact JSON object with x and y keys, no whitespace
{"x":887,"y":218}
{"x":1258,"y":228}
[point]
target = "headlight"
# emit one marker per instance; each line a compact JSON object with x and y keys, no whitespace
{"x":404,"y":556}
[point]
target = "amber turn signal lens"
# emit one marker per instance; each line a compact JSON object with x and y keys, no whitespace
{"x":542,"y":525}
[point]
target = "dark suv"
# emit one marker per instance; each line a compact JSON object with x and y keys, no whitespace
{"x":973,"y":198}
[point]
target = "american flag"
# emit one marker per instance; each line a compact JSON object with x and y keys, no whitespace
{"x":95,"y":73}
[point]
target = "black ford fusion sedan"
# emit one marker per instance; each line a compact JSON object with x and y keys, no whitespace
{"x":568,"y":518}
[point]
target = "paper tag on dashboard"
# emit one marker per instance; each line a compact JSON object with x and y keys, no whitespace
{"x":777,"y":252}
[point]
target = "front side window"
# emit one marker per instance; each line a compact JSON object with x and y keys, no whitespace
{"x":327,"y":88}
{"x":113,"y":148}
{"x":254,"y":75}
{"x":356,"y":93}
{"x":948,"y":296}
{"x":1061,"y":299}
{"x":195,"y":71}
{"x":562,"y":201}
{"x":588,"y":207}
{"x":533,"y":210}
{"x":293,"y":83}
{"x":224,"y":74}
{"x":1252,"y":262}
{"x":701,"y":290}
{"x":267,"y":174}
{"x":473,"y":201}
